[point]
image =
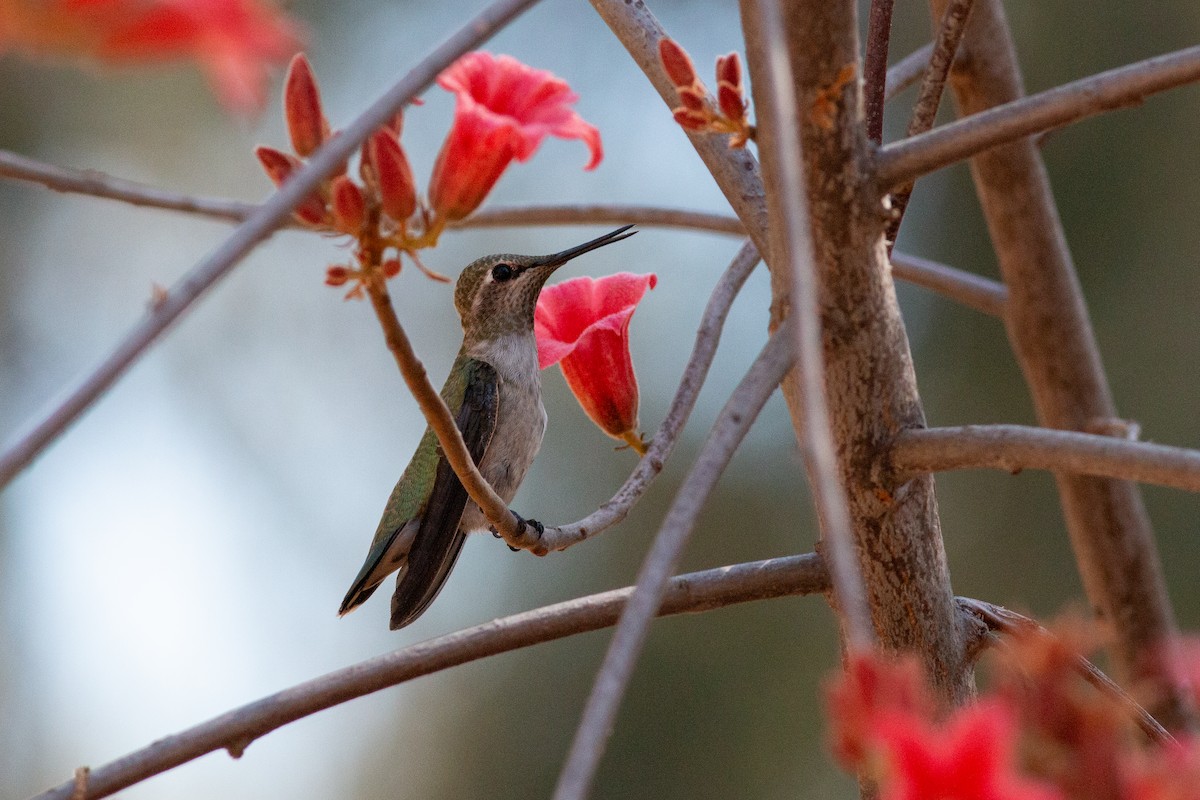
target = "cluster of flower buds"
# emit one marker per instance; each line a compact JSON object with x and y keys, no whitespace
{"x":697,"y":110}
{"x":504,"y":109}
{"x":1044,"y":732}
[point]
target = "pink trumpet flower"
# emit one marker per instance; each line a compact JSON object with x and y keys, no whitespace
{"x":583,"y":325}
{"x":503,"y":111}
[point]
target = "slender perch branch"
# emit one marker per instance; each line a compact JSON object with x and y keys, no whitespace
{"x":237,"y":729}
{"x":909,"y":159}
{"x":265,"y":220}
{"x":727,"y":433}
{"x":1013,"y":448}
{"x":707,"y":337}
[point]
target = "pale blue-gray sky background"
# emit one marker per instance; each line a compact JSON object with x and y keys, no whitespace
{"x":183,"y":550}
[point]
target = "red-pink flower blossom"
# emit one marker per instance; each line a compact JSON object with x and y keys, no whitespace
{"x":503,"y":110}
{"x":232,"y":40}
{"x":583,"y":325}
{"x":969,"y":757}
{"x":872,"y":685}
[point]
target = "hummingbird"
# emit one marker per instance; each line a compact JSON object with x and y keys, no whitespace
{"x":495,"y":393}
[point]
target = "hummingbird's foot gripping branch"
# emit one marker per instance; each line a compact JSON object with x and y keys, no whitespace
{"x":523,"y":526}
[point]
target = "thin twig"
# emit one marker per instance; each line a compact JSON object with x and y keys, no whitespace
{"x":438,"y":415}
{"x":909,"y":159}
{"x":829,"y":495}
{"x":727,"y":433}
{"x":1013,"y":448}
{"x":708,"y":335}
{"x":236,"y":729}
{"x":879,"y":35}
{"x":981,"y":294}
{"x":907,"y":71}
{"x":945,"y":280}
{"x":933,"y":84}
{"x":98,"y":184}
{"x":1000,"y":619}
{"x":597,"y":213}
{"x":265,"y":220}
{"x":956,"y":284}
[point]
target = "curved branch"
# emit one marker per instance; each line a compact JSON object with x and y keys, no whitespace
{"x":707,"y":337}
{"x":261,"y":224}
{"x":235,"y":730}
{"x":727,"y":433}
{"x":1000,"y":619}
{"x":909,"y":159}
{"x":441,"y":421}
{"x":1016,"y":447}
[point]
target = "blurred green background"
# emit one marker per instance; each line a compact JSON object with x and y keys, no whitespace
{"x":184,"y":549}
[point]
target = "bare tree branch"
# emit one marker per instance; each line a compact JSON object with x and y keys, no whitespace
{"x":1000,"y":619}
{"x":1047,"y":323}
{"x":708,"y":335}
{"x":955,"y":284}
{"x":1013,"y":448}
{"x":265,"y":220}
{"x":99,"y":184}
{"x":789,"y":192}
{"x":731,"y":426}
{"x":909,"y":159}
{"x":907,"y":71}
{"x":879,"y":35}
{"x":237,"y":729}
{"x":981,"y":294}
{"x":945,"y":47}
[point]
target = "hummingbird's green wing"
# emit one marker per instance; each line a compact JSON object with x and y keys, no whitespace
{"x":439,"y":540}
{"x":407,"y":500}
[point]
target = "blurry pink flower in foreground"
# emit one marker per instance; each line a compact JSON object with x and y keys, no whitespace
{"x":233,"y":41}
{"x":503,"y":110}
{"x":583,"y":325}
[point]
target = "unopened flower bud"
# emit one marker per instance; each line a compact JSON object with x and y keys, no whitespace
{"x":306,"y":123}
{"x":677,"y":63}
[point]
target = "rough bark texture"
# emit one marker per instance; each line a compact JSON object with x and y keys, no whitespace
{"x":870,"y":380}
{"x":1051,"y":335}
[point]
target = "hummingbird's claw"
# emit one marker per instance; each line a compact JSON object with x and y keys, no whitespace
{"x":523,"y":524}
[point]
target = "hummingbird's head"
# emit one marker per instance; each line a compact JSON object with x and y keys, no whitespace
{"x":497,"y":294}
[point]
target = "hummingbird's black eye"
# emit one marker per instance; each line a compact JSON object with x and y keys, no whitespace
{"x":503,"y":272}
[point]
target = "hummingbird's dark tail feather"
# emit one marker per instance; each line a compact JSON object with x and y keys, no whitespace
{"x":439,"y":540}
{"x":421,"y":581}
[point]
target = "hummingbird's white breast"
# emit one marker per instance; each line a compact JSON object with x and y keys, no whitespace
{"x":520,"y":418}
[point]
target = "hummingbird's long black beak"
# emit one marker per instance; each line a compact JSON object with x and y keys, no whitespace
{"x":558,"y":259}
